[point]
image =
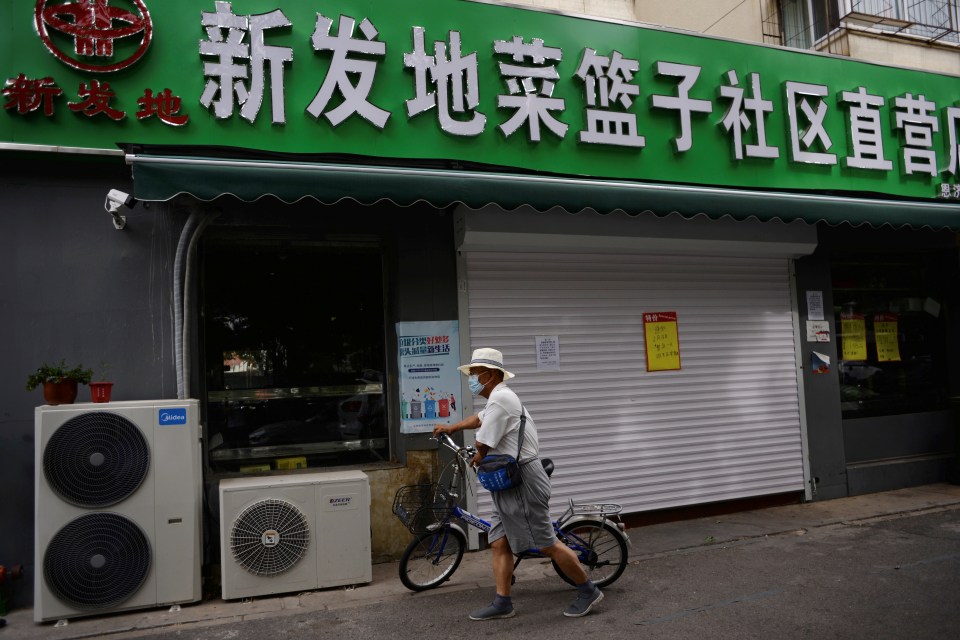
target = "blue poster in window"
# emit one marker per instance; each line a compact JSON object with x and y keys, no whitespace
{"x":428,"y":354}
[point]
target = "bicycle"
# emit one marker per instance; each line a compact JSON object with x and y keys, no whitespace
{"x":433,"y":556}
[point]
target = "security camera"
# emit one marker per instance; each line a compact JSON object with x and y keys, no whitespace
{"x":115,"y":200}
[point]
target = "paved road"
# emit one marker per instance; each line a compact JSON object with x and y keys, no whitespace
{"x":896,"y":577}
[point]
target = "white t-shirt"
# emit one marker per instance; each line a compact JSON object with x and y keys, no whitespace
{"x":500,"y":425}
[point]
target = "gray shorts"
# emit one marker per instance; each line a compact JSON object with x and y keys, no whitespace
{"x":523,"y":514}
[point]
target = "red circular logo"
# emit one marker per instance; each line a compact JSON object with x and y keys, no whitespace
{"x":93,"y":26}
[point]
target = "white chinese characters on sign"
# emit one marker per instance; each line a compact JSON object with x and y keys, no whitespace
{"x":355,"y":96}
{"x":226,"y":32}
{"x":531,"y":87}
{"x":809,"y":99}
{"x":918,"y":125}
{"x":737,"y":121}
{"x":866,"y":137}
{"x":608,"y":78}
{"x":682,"y":102}
{"x":453,"y":84}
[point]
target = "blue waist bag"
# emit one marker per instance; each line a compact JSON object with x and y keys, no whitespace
{"x":499,"y":472}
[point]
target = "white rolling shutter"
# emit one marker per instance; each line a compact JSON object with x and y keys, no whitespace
{"x":726,"y":426}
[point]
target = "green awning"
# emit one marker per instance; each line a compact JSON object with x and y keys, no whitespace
{"x":161,"y":178}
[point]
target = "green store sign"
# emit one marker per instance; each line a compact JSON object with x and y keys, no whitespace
{"x":466,"y":81}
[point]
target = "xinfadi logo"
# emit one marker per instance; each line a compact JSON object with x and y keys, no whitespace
{"x":90,"y":34}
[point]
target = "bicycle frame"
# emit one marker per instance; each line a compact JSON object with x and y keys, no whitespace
{"x":601,"y":510}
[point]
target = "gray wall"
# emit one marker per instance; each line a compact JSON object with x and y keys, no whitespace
{"x":73,"y":287}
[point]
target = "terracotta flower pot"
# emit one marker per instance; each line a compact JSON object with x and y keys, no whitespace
{"x":64,"y":392}
{"x":100,"y":391}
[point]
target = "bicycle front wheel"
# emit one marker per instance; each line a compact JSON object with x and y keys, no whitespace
{"x":431,"y":558}
{"x":600,"y":547}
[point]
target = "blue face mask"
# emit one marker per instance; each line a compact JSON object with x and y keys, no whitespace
{"x":475,"y":386}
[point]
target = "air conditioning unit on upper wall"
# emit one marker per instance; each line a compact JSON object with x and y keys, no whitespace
{"x":294,"y":533}
{"x":118,"y":507}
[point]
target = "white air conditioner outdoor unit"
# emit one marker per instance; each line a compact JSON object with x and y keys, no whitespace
{"x":118,"y":507}
{"x":294,"y":533}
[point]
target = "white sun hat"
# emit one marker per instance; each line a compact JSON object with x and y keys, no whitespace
{"x":486,"y":357}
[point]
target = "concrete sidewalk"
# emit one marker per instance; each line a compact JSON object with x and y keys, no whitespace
{"x":475,"y":571}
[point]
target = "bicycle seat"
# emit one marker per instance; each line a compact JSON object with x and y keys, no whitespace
{"x":547,"y":466}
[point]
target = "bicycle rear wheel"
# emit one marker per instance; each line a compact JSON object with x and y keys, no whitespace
{"x":431,"y":558}
{"x":601,"y":548}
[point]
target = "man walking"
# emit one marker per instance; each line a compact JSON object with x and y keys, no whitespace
{"x":521,"y":515}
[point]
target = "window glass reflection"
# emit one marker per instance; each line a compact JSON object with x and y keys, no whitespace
{"x":294,"y":344}
{"x":891,"y":335}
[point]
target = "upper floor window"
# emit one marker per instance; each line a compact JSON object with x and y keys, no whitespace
{"x":804,"y":22}
{"x":927,"y":19}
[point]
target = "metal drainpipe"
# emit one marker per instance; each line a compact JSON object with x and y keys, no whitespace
{"x":188,"y":298}
{"x":185,"y":236}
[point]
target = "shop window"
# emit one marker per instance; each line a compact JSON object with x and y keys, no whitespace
{"x":891,"y":334}
{"x":293,"y":337}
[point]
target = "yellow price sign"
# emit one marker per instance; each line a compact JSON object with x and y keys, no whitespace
{"x":887,"y":336}
{"x":853,"y":330}
{"x":662,"y":340}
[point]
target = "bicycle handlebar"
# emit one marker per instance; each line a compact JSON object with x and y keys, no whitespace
{"x":445,"y":440}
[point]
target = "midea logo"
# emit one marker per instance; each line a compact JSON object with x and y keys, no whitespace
{"x":172,"y":416}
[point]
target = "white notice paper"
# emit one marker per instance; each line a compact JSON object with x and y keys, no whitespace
{"x":814,"y":305}
{"x":548,"y":353}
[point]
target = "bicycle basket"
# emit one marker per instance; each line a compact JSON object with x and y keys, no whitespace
{"x":416,"y":506}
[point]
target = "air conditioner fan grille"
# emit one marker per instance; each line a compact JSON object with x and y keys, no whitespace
{"x":96,"y":459}
{"x":269,"y":537}
{"x":97,"y":561}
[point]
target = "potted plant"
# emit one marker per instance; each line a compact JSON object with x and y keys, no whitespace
{"x":59,"y":381}
{"x":100,"y":390}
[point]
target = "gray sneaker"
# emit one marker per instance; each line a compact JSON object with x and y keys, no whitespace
{"x":583,"y":604}
{"x":493,"y":611}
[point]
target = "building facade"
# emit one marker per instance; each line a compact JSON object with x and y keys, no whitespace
{"x":721,"y":267}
